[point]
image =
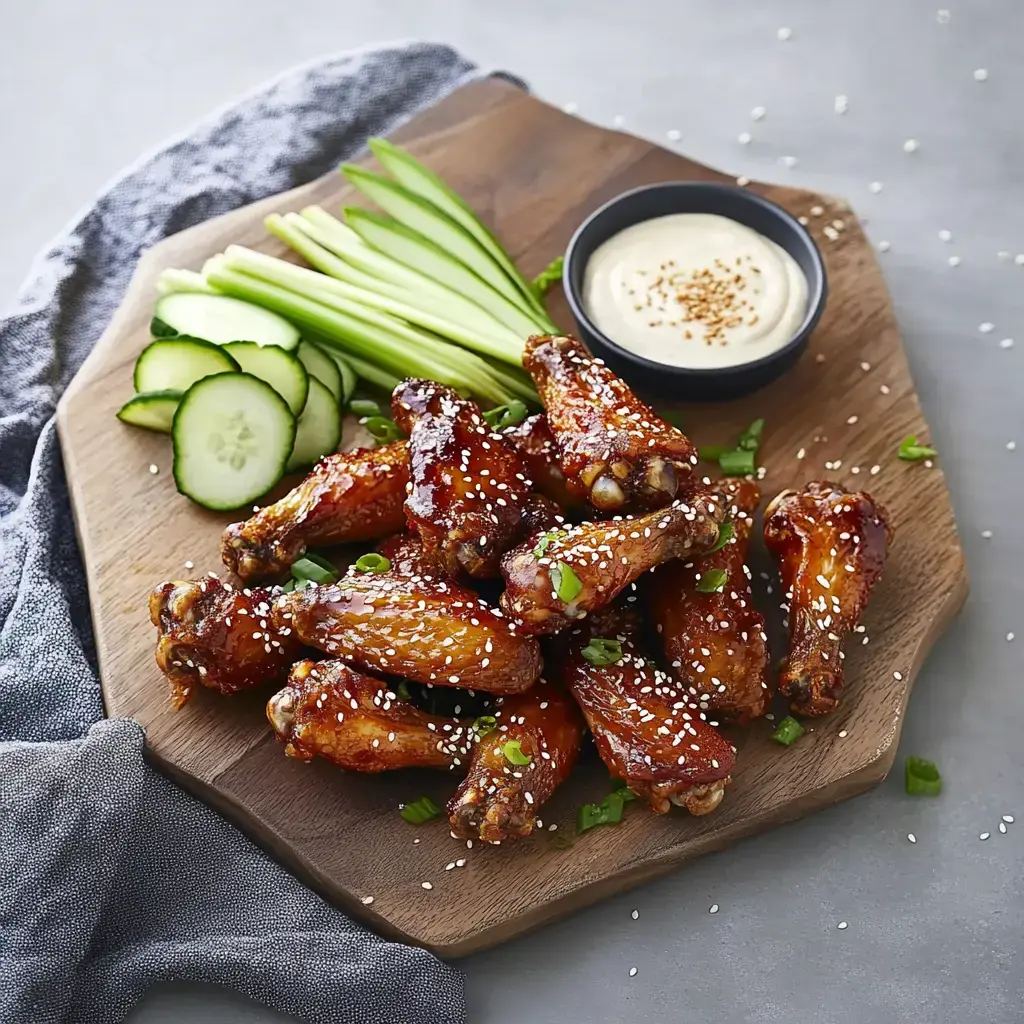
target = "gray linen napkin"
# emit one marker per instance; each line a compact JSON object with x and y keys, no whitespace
{"x":110,"y":877}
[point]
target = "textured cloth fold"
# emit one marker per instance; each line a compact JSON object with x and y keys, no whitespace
{"x":110,"y":877}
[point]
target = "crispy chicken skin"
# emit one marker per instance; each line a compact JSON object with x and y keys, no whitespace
{"x":830,"y":546}
{"x":349,"y":496}
{"x":613,"y":450}
{"x":648,"y":730}
{"x":716,"y":641}
{"x":358,"y":723}
{"x":499,"y":799}
{"x":468,"y":483}
{"x":604,"y":557}
{"x":536,"y":446}
{"x":217,"y":636}
{"x":419,"y":626}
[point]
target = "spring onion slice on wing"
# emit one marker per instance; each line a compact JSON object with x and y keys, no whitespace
{"x":788,"y":731}
{"x":420,"y":811}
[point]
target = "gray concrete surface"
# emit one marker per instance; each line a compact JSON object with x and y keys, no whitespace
{"x":934,"y":928}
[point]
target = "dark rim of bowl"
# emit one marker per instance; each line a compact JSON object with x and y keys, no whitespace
{"x":815,"y":302}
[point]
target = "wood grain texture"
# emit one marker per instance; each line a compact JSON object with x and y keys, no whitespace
{"x":533,"y":173}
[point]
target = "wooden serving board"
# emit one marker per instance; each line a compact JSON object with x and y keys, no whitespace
{"x":533,"y":173}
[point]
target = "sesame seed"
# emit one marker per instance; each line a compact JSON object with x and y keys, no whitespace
{"x":981,"y":75}
{"x":954,"y":261}
{"x":367,"y":900}
{"x":912,"y":837}
{"x":843,"y":734}
{"x":784,"y":34}
{"x":987,"y":534}
{"x":1002,"y":828}
{"x":1009,"y":638}
{"x":875,"y":187}
{"x":875,"y":470}
{"x":714,"y":908}
{"x":674,"y":134}
{"x":945,"y":236}
{"x":632,"y":972}
{"x":1006,"y":343}
{"x":817,"y":211}
{"x":571,"y":107}
{"x":883,"y":246}
{"x":618,"y":120}
{"x":865,"y":367}
{"x":984,"y":836}
{"x":842,"y":104}
{"x":426,"y":885}
{"x":744,"y":138}
{"x":897,"y":676}
{"x":635,"y":914}
{"x":1011,"y":445}
{"x":942,"y":16}
{"x":851,"y":420}
{"x":1008,"y":818}
{"x":1019,"y":259}
{"x":154,"y":468}
{"x":742,"y":181}
{"x":842,"y":926}
{"x":987,"y":327}
{"x":885,"y":389}
{"x":758,"y":113}
{"x":911,"y":146}
{"x":190,"y":565}
{"x":789,"y":162}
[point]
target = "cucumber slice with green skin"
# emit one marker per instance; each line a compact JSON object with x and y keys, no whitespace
{"x":152,"y":410}
{"x":282,"y":370}
{"x":409,"y":247}
{"x":220,"y":319}
{"x":232,"y":437}
{"x":410,"y":173}
{"x":320,"y":365}
{"x":175,"y":364}
{"x":349,"y":377}
{"x":318,"y":432}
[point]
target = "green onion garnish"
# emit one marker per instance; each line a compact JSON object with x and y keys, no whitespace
{"x":514,"y":752}
{"x":740,"y":462}
{"x":726,"y":532}
{"x":602,"y":652}
{"x":911,"y":451}
{"x":382,"y":429}
{"x":419,"y":811}
{"x":484,"y":726}
{"x":402,"y":690}
{"x":713,"y":452}
{"x":543,"y":542}
{"x":750,"y":439}
{"x":607,"y":812}
{"x":364,"y":407}
{"x":288,"y":587}
{"x":712,"y":581}
{"x":789,"y":731}
{"x":502,"y":416}
{"x":549,"y":276}
{"x":565,"y":583}
{"x":672,"y":417}
{"x":307,"y":569}
{"x":922,"y":777}
{"x":373,"y":562}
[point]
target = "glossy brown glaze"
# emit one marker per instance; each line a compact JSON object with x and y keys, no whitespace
{"x":613,"y":449}
{"x":648,"y":730}
{"x":715,"y":642}
{"x":220,"y":637}
{"x":604,"y":557}
{"x":330,"y":710}
{"x":536,"y":446}
{"x":350,"y":496}
{"x":499,"y":799}
{"x":830,"y":546}
{"x":468,"y":483}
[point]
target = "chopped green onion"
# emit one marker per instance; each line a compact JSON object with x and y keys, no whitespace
{"x":419,"y":811}
{"x":514,"y":752}
{"x":509,"y":415}
{"x":549,"y":276}
{"x":321,"y":561}
{"x":712,"y":581}
{"x":602,"y":652}
{"x":307,"y":569}
{"x":402,"y":690}
{"x":726,"y":532}
{"x":288,"y":587}
{"x":673,"y":417}
{"x":738,"y":463}
{"x":565,"y":582}
{"x":789,"y":731}
{"x":373,"y":562}
{"x":543,"y":542}
{"x":750,"y":439}
{"x":382,"y":429}
{"x":607,"y":812}
{"x":922,"y":777}
{"x":911,"y":451}
{"x":364,"y":407}
{"x":713,"y":452}
{"x":484,"y":726}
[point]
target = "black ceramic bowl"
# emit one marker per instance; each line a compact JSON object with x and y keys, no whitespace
{"x":731,"y":201}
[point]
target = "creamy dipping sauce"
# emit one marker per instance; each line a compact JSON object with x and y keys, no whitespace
{"x":695,"y":290}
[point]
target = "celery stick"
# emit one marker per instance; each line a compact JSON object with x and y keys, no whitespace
{"x":171,"y":280}
{"x":408,"y":171}
{"x":411,"y":248}
{"x":367,"y":371}
{"x":518,"y":382}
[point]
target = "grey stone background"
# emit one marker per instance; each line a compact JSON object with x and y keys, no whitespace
{"x":935,"y":927}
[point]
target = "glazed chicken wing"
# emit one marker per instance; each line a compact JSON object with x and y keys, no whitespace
{"x":648,"y":730}
{"x":468,"y":483}
{"x":217,"y":636}
{"x":564,"y":574}
{"x":830,"y":547}
{"x":499,"y":797}
{"x":714,"y":639}
{"x":536,"y":446}
{"x":613,"y":450}
{"x":357,"y":722}
{"x":349,"y":496}
{"x":422,"y":627}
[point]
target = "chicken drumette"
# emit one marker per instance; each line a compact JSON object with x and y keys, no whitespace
{"x":468,"y":483}
{"x":357,"y":722}
{"x":830,"y":547}
{"x":703,"y":609}
{"x":612,"y":449}
{"x":350,"y":496}
{"x":648,"y":730}
{"x":215,"y":635}
{"x":564,"y":574}
{"x":500,"y":795}
{"x":536,"y":446}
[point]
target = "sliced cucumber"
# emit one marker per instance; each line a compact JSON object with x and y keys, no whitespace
{"x":411,"y":248}
{"x":152,"y":410}
{"x":349,"y":377}
{"x":320,"y":365}
{"x":220,"y":319}
{"x":319,"y":428}
{"x":175,"y":364}
{"x":232,"y":437}
{"x":282,"y":370}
